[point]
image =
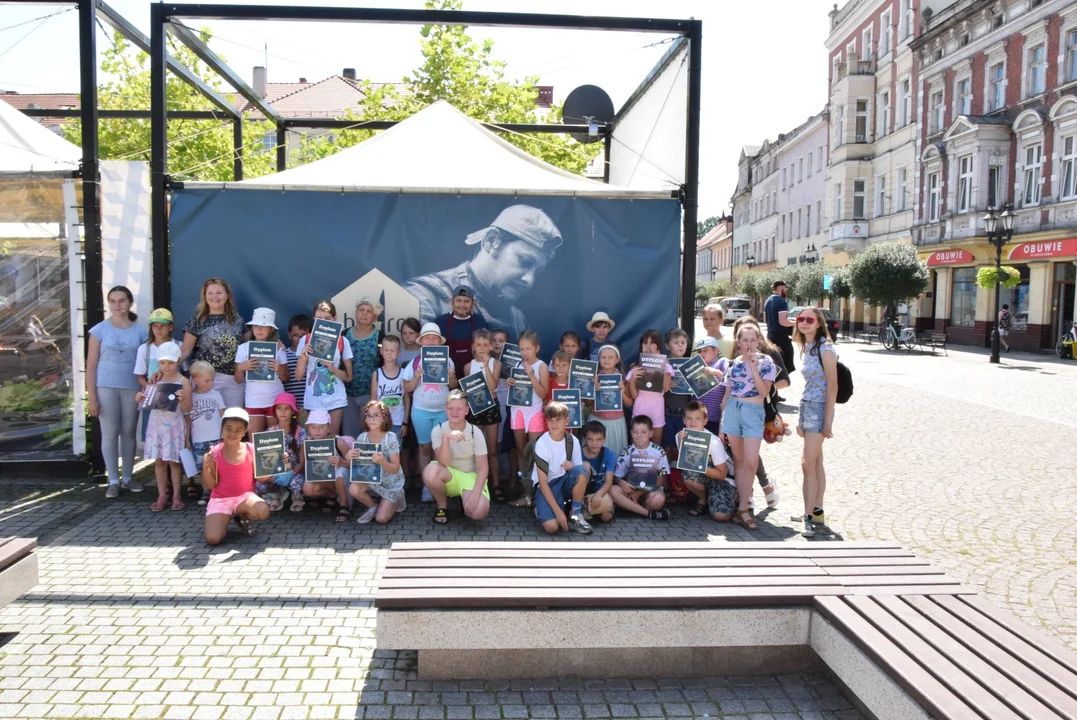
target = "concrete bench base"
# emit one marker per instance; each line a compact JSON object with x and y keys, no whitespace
{"x":18,"y":578}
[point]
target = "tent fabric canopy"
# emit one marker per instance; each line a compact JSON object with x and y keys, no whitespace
{"x":439,"y":150}
{"x":27,"y":147}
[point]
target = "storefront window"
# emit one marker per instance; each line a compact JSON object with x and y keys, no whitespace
{"x":963,"y":302}
{"x":1017,"y":299}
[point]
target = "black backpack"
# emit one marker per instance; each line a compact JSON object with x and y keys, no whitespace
{"x":530,"y":461}
{"x":845,"y":383}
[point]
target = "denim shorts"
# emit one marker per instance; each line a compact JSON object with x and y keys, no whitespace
{"x":812,"y":416}
{"x":562,"y":493}
{"x":743,"y":419}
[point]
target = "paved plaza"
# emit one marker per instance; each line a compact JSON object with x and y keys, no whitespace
{"x":968,"y":464}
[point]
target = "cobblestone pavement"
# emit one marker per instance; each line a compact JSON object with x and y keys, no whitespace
{"x":136,"y":617}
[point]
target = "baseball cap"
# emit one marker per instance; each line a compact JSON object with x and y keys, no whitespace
{"x":777,"y":284}
{"x":318,"y":417}
{"x":160,"y":315}
{"x":236,"y":413}
{"x":706,"y":342}
{"x":463,"y":291}
{"x":168,"y":351}
{"x":525,"y":223}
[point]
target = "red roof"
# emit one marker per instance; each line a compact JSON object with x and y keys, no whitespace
{"x":45,"y":101}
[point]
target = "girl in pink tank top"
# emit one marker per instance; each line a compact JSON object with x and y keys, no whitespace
{"x":228,"y":473}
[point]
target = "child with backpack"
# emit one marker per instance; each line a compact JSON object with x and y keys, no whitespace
{"x":559,"y":475}
{"x":325,"y":385}
{"x":460,"y":466}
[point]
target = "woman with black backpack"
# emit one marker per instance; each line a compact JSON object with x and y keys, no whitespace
{"x":815,"y":424}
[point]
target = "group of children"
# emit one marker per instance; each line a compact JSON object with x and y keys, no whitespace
{"x":617,"y":459}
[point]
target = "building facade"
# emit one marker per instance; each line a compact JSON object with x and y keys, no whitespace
{"x":802,"y":220}
{"x":712,"y":253}
{"x":742,"y":211}
{"x":998,"y":127}
{"x":762,"y":251}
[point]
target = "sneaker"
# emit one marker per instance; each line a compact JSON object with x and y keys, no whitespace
{"x":401,"y":503}
{"x":132,"y":486}
{"x":113,"y":491}
{"x":205,"y":497}
{"x":819,"y":518}
{"x":772,"y":496}
{"x":662,"y":514}
{"x":368,"y":515}
{"x":427,"y":497}
{"x":577,"y":523}
{"x":809,"y":527}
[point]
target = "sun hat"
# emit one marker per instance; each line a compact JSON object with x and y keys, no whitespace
{"x":601,"y":317}
{"x":706,"y":342}
{"x":318,"y":417}
{"x":526,"y":223}
{"x":431,"y":329}
{"x":160,"y":315}
{"x":236,"y":413}
{"x":371,"y":303}
{"x":286,"y":398}
{"x":169,"y":351}
{"x":264,"y":317}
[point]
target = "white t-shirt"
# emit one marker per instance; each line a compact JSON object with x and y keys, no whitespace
{"x":146,"y":359}
{"x":324,"y":390}
{"x":464,"y":452}
{"x":536,"y":370}
{"x":391,"y":392}
{"x":427,"y":396}
{"x":261,"y":394}
{"x":553,"y":452}
{"x":719,"y":457}
{"x":206,"y":409}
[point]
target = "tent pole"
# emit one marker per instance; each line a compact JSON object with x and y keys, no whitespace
{"x":691,"y":180}
{"x":282,"y":149}
{"x":162,"y":290}
{"x":91,"y":208}
{"x":237,"y":149}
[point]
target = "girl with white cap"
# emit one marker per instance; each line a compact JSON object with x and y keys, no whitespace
{"x":258,"y":396}
{"x":428,"y":399}
{"x":166,"y":434}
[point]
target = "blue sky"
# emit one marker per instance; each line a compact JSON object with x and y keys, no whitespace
{"x":764,"y":65}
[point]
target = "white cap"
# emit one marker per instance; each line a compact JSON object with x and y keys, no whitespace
{"x":318,"y":417}
{"x":236,"y":413}
{"x":168,"y":351}
{"x":264,"y":317}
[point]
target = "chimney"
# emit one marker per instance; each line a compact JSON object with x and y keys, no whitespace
{"x":302,"y":81}
{"x":349,"y":73}
{"x":260,"y":80}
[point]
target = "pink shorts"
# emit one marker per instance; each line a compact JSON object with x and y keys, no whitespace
{"x":529,"y":419}
{"x":262,"y":412}
{"x":228,"y":505}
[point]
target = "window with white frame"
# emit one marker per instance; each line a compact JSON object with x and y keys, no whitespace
{"x":783,"y":178}
{"x":906,"y":102}
{"x":807,"y":219}
{"x":880,"y":195}
{"x":837,"y":201}
{"x":782,"y":237}
{"x":994,"y":187}
{"x":1033,"y":173}
{"x":809,"y":164}
{"x":902,"y":188}
{"x":835,"y":70}
{"x":1037,"y":70}
{"x":884,"y":114}
{"x":1067,"y":187}
{"x":964,"y":96}
{"x":819,"y":213}
{"x":996,"y":82}
{"x":840,"y":140}
{"x":1071,"y":55}
{"x":850,"y":52}
{"x":933,"y":197}
{"x":861,"y":121}
{"x":884,"y":34}
{"x":800,"y":169}
{"x":906,"y":18}
{"x":819,"y":159}
{"x":859,"y":199}
{"x":867,"y":45}
{"x":800,"y":223}
{"x":938,"y":112}
{"x":964,"y":183}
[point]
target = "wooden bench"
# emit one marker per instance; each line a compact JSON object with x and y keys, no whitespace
{"x":869,"y":334}
{"x":18,"y":567}
{"x":902,"y":639}
{"x":933,"y":339}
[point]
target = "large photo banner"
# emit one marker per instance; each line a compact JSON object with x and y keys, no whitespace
{"x":539,"y":263}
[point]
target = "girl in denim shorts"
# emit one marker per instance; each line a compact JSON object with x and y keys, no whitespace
{"x":820,"y":370}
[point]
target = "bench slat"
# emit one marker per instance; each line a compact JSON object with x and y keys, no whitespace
{"x":1013,"y":644}
{"x":608,"y":598}
{"x":858,"y":581}
{"x":1047,"y":645}
{"x":657,"y":573}
{"x":933,"y":661}
{"x":947,"y":590}
{"x":677,"y":546}
{"x":936,"y":698}
{"x":14,"y":549}
{"x":508,"y":562}
{"x":585,"y":584}
{"x":860,"y":570}
{"x":843,"y":562}
{"x":961,"y":644}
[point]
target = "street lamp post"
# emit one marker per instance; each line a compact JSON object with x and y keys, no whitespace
{"x":811,"y":255}
{"x":999,"y":231}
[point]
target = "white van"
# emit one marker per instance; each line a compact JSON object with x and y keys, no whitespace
{"x":734,"y":308}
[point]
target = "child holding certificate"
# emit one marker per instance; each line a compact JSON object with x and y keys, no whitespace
{"x":489,"y":421}
{"x":609,"y":363}
{"x":262,"y":369}
{"x":386,"y":499}
{"x":166,"y":432}
{"x":528,"y":422}
{"x":325,"y":379}
{"x":649,"y":401}
{"x":326,"y":473}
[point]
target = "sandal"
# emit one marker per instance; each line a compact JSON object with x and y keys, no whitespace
{"x":499,"y":494}
{"x":524,"y":501}
{"x":441,"y":517}
{"x":246,"y":527}
{"x":697,"y":510}
{"x":745,"y":519}
{"x":297,"y":503}
{"x":161,"y":504}
{"x":343,"y":514}
{"x":177,"y":504}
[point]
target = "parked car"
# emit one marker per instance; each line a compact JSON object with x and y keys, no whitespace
{"x":832,"y":324}
{"x":734,"y":308}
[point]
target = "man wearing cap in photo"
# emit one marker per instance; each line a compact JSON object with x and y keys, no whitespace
{"x":457,"y":327}
{"x":513,"y":250}
{"x":779,"y":326}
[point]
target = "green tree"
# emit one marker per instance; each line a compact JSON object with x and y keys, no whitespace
{"x":715,"y":288}
{"x":464,"y":72}
{"x":197,"y":149}
{"x":705,"y":226}
{"x":886,"y":274}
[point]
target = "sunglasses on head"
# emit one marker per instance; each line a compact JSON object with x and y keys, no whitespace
{"x":806,"y":319}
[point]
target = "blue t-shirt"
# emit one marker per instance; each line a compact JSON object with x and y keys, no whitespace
{"x":119,"y":350}
{"x":776,"y":304}
{"x":600,"y":464}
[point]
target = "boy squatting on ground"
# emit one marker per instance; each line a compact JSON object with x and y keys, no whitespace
{"x":559,"y":475}
{"x":713,"y":485}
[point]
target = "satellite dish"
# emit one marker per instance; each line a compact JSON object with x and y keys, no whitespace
{"x":586,"y":105}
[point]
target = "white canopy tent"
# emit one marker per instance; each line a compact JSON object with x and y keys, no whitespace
{"x":439,"y":150}
{"x":27,"y":147}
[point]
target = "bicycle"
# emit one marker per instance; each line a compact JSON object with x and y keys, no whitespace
{"x":1069,"y":337}
{"x":892,"y":339}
